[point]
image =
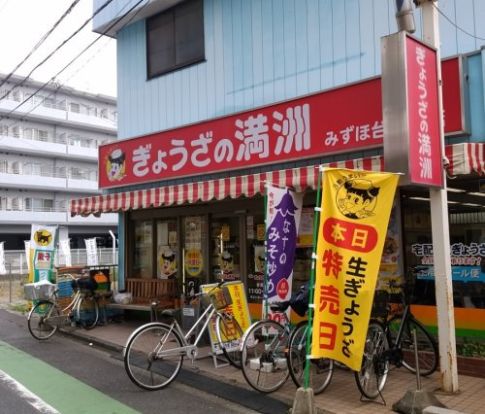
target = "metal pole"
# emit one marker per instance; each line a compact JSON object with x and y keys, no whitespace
{"x":416,"y":358}
{"x":441,"y":230}
{"x":113,"y":257}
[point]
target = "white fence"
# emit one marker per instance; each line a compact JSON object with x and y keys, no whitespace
{"x":15,"y":261}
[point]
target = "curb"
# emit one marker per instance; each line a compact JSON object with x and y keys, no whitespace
{"x":211,"y":384}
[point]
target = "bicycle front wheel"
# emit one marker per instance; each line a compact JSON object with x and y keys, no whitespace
{"x":153,"y":356}
{"x":427,"y":348}
{"x":264,"y":363}
{"x":321,"y":369}
{"x":87,"y":312}
{"x":375,"y":365}
{"x":229,"y":335}
{"x":43,"y":319}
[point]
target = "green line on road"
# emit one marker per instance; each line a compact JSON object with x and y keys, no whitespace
{"x":63,"y":392}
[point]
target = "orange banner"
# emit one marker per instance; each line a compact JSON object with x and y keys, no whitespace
{"x":353,"y":221}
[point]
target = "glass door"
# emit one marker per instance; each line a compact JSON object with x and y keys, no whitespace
{"x":225,"y":248}
{"x":168,"y":260}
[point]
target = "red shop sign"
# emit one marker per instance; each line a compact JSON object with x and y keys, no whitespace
{"x":425,"y":158}
{"x":339,"y":120}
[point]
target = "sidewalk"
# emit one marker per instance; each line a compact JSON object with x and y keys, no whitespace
{"x":342,"y":395}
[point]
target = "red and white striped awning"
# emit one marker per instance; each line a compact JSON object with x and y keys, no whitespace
{"x":233,"y":187}
{"x":465,"y":158}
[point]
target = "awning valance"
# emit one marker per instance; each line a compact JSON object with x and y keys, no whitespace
{"x":233,"y":187}
{"x":464,"y":158}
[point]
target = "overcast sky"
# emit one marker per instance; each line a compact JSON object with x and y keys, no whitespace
{"x":24,"y":22}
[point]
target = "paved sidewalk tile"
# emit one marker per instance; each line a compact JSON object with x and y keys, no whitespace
{"x":342,"y":395}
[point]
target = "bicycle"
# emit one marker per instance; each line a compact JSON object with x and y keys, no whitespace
{"x":46,"y":316}
{"x":390,"y":340}
{"x":154,"y":352}
{"x":272,"y":351}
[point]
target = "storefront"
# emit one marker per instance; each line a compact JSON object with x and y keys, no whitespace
{"x":192,"y":199}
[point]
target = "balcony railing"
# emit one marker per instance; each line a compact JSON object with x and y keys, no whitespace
{"x":21,"y":207}
{"x":62,"y":139}
{"x":16,"y":263}
{"x":87,"y":175}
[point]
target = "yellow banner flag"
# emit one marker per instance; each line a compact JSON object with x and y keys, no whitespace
{"x":355,"y":213}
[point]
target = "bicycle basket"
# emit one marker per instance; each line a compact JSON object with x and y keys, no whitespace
{"x":220,"y":298}
{"x":39,"y":290}
{"x":85,"y":284}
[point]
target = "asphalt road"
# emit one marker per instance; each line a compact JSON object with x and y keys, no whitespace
{"x":63,"y":375}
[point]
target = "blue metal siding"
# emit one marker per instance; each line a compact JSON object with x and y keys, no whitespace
{"x":476,"y":97}
{"x":262,"y":51}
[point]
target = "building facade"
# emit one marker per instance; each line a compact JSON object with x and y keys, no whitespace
{"x":49,"y":155}
{"x":198,"y":77}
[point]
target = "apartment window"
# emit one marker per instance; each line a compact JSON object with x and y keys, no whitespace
{"x":16,"y":132}
{"x":175,"y":38}
{"x":39,"y":204}
{"x":76,"y":173}
{"x":42,"y":135}
{"x":49,"y":102}
{"x":17,"y":95}
{"x":4,"y":129}
{"x":75,"y":107}
{"x":36,"y":134}
{"x":16,"y":204}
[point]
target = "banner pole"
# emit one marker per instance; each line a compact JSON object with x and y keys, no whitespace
{"x":316,"y":224}
{"x":265,"y":278}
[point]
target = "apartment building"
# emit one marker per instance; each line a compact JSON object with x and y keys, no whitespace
{"x":49,"y":137}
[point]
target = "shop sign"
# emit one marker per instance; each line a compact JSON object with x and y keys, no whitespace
{"x":283,"y":212}
{"x":238,"y":308}
{"x":43,"y":240}
{"x":412,"y":143}
{"x":355,"y":210}
{"x":343,"y":119}
{"x":193,"y":262}
{"x":467,"y":261}
{"x":255,"y":280}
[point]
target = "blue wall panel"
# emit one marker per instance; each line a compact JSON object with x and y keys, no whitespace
{"x":263,"y":51}
{"x":475,"y":85}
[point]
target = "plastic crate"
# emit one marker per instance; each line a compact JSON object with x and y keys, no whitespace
{"x":39,"y":290}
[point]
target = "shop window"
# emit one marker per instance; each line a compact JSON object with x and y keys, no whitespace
{"x":467,"y":244}
{"x":255,"y":234}
{"x":168,"y":261}
{"x":225,"y":248}
{"x":175,"y":38}
{"x":143,"y":248}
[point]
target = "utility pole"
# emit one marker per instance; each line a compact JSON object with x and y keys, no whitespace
{"x":440,"y":228}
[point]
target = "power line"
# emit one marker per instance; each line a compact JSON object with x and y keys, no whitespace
{"x":55,"y":50}
{"x":58,"y":87}
{"x":456,"y":26}
{"x":42,"y":40}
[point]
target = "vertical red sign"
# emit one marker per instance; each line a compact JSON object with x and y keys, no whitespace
{"x":425,"y":157}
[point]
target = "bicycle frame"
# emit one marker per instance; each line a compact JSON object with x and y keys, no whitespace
{"x":188,"y":349}
{"x":404,"y":317}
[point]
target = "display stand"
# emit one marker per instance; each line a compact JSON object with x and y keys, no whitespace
{"x":240,"y":311}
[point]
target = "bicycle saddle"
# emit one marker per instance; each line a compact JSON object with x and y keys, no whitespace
{"x":279,"y":306}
